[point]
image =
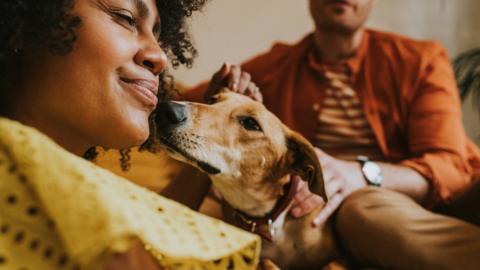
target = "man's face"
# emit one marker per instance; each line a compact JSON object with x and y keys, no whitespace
{"x":343,"y":16}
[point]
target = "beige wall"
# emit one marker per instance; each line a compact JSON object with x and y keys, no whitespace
{"x":234,"y":30}
{"x":452,"y":22}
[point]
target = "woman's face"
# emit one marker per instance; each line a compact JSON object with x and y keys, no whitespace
{"x":102,"y":92}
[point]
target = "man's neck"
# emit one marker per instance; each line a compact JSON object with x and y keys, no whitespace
{"x":334,"y":46}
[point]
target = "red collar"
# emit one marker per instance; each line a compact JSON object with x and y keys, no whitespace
{"x":263,"y":225}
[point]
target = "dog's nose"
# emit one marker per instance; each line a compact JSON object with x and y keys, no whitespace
{"x":171,"y":113}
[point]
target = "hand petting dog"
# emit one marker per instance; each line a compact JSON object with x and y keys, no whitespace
{"x":341,"y":179}
{"x":232,"y":77}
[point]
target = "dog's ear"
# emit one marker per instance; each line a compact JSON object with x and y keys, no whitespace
{"x":213,"y":98}
{"x":224,"y":90}
{"x":302,"y":160}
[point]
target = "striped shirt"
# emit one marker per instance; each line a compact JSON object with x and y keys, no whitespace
{"x":342,"y":129}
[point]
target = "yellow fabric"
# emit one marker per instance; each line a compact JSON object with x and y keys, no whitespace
{"x":83,"y":213}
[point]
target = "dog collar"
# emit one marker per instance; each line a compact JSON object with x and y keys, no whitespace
{"x":263,"y":226}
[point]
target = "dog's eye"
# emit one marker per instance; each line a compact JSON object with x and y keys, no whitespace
{"x":249,"y":123}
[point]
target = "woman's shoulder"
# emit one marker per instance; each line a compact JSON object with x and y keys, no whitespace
{"x":96,"y":212}
{"x":28,"y":238}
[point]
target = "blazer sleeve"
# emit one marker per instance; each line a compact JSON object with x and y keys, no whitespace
{"x":436,"y":137}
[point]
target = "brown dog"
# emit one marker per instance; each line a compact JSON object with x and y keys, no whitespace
{"x":249,"y":155}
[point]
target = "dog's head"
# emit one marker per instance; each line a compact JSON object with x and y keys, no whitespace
{"x":246,"y":150}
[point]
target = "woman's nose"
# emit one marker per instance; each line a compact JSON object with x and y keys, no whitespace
{"x":152,"y":57}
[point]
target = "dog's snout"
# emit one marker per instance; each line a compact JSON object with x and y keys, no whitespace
{"x":171,"y":113}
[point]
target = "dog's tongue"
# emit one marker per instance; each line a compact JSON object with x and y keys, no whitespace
{"x":290,"y":190}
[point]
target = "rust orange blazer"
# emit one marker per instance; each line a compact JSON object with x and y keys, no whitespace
{"x":409,"y":95}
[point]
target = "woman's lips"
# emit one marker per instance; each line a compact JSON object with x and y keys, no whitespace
{"x":144,"y":90}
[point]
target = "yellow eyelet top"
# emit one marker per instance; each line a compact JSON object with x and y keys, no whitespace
{"x":58,"y":211}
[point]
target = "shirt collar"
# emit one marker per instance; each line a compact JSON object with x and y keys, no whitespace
{"x":353,"y":63}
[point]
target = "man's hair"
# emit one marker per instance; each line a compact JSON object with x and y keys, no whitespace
{"x":50,"y":24}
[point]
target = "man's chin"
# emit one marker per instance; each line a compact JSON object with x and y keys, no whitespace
{"x":338,"y":25}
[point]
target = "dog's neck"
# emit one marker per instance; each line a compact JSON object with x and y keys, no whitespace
{"x":253,"y":200}
{"x":267,"y":224}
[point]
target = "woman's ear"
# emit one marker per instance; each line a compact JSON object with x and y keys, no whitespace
{"x":302,"y":160}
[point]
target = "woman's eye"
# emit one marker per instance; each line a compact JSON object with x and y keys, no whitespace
{"x":249,"y":123}
{"x":130,"y":20}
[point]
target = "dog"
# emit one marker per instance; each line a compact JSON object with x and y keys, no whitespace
{"x":249,"y":155}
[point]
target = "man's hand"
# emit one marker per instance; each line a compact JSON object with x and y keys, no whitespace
{"x":232,"y":77}
{"x":341,"y":178}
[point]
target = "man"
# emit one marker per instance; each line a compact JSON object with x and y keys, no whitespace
{"x":385,"y":111}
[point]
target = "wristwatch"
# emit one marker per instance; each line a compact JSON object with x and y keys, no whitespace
{"x":371,"y":171}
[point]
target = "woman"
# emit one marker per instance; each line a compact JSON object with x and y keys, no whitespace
{"x":89,"y":73}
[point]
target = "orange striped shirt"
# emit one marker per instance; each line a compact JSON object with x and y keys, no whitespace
{"x":342,"y":129}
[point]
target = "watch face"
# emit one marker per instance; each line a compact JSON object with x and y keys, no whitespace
{"x":372,"y":172}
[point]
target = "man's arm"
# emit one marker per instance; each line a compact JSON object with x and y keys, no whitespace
{"x":405,"y":180}
{"x":395,"y":177}
{"x":436,"y":138}
{"x":344,"y":177}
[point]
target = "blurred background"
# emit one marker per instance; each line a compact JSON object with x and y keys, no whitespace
{"x":235,"y":30}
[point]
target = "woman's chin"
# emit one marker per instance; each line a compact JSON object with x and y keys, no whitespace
{"x":138,"y":136}
{"x":132,"y":134}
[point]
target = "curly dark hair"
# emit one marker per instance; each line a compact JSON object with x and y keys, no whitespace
{"x":49,"y":23}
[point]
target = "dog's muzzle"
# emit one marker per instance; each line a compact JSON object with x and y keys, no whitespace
{"x":171,"y":115}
